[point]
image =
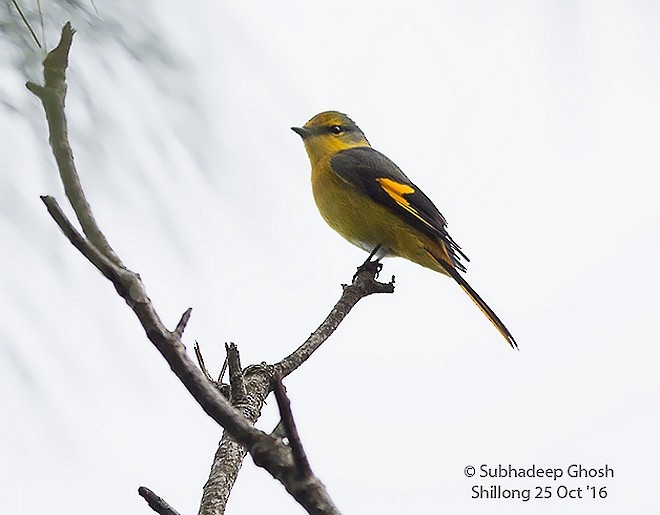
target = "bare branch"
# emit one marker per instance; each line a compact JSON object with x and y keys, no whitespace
{"x":52,"y":96}
{"x":226,"y":465}
{"x":181,"y":326}
{"x":200,"y":361}
{"x":158,"y":504}
{"x":102,"y":263}
{"x":290,"y":429}
{"x":27,"y":23}
{"x":230,"y":454}
{"x":267,"y":451}
{"x":238,"y":391}
{"x":221,"y":375}
{"x":223,"y":388}
{"x":364,"y":284}
{"x":130,"y":287}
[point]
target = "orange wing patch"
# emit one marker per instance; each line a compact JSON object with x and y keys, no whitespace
{"x":396,"y":191}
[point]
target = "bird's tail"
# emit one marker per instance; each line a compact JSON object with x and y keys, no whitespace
{"x":485,"y":308}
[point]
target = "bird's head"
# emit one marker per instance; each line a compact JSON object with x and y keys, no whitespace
{"x":328,"y":133}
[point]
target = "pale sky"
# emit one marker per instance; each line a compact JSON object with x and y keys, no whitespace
{"x":534,"y":128}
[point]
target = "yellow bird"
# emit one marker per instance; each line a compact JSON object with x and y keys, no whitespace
{"x":368,"y":200}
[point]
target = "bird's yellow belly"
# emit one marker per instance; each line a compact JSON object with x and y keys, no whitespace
{"x":367,"y":224}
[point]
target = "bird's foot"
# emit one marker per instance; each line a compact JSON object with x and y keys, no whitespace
{"x":372,"y":267}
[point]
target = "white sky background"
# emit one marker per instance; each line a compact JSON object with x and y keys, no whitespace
{"x":532,"y":126}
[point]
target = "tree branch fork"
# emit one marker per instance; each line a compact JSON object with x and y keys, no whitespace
{"x":247,"y":387}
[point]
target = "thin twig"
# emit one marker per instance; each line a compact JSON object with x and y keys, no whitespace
{"x":221,"y":375}
{"x":181,"y":326}
{"x":41,"y":19}
{"x":156,"y":503}
{"x":200,"y":361}
{"x":27,"y":23}
{"x":290,"y":429}
{"x":364,"y":284}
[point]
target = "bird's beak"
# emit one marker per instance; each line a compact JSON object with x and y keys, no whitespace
{"x":301,"y":131}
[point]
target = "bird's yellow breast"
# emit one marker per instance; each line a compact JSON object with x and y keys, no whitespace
{"x":364,"y":222}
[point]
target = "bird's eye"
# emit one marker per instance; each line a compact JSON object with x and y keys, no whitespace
{"x":336,"y":130}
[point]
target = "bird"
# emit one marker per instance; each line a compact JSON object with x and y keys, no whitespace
{"x":368,"y":200}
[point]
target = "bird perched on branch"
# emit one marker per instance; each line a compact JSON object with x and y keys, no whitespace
{"x":368,"y":200}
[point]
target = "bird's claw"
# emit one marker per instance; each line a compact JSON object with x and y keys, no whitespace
{"x":372,"y":267}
